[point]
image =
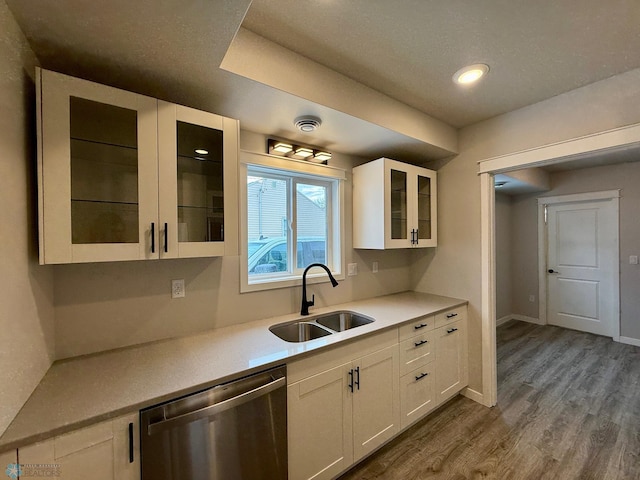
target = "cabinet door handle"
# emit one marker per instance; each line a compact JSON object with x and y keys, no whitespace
{"x":357,"y":382}
{"x":421,"y":376}
{"x":451,"y":330}
{"x":351,"y":380}
{"x":166,"y":238}
{"x":451,"y":315}
{"x":131,"y":443}
{"x":421,"y":342}
{"x":422,"y":325}
{"x":417,"y":237}
{"x":153,"y":237}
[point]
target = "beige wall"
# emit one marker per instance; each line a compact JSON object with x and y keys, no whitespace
{"x":26,"y":296}
{"x":625,"y":177}
{"x":524,"y":269}
{"x":107,"y":305}
{"x":503,"y":255}
{"x":454,"y":267}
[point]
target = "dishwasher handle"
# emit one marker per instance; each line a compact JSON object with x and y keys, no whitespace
{"x":217,"y":408}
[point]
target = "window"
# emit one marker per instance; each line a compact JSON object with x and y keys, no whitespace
{"x":291,"y":219}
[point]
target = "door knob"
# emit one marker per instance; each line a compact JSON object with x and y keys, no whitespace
{"x":551,"y":270}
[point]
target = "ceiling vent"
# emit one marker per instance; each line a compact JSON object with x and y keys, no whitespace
{"x":307,"y":123}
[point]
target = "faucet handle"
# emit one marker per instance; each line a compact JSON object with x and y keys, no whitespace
{"x":313,"y":299}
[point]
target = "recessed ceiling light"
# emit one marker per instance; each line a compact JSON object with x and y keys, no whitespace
{"x":470,"y":74}
{"x":202,"y":151}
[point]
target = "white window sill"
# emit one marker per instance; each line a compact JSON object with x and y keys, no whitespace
{"x":257,"y":285}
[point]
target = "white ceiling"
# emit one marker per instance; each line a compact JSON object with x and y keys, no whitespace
{"x":410,"y":49}
{"x":406,"y":50}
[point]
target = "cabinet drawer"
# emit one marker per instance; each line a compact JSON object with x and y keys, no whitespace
{"x":416,"y":351}
{"x":416,"y":327}
{"x":417,"y":394}
{"x":443,"y":318}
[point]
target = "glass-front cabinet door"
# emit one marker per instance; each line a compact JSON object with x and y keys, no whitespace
{"x":410,"y":206}
{"x":122,"y":176}
{"x":425,"y":234}
{"x":198,"y":169}
{"x":97,"y":172}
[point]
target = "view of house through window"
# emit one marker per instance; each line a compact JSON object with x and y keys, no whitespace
{"x":288,"y":222}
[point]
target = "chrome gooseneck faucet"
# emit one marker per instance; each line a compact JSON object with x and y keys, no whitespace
{"x":306,"y":304}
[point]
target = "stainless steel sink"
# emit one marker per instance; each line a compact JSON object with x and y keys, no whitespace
{"x":341,"y":321}
{"x":299,"y":331}
{"x":319,"y":326}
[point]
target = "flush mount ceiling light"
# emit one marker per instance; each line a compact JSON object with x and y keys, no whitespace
{"x":501,"y":184}
{"x":307,"y":153}
{"x":281,"y":147}
{"x":307,"y":123}
{"x":304,"y":152}
{"x":321,"y":157}
{"x":470,"y":74}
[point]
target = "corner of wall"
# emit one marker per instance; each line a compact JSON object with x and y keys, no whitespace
{"x":26,"y":302}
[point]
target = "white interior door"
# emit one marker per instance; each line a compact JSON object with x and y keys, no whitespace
{"x":582,"y":266}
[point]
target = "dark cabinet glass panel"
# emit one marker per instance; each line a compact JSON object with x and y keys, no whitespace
{"x":424,"y":207}
{"x":104,"y":173}
{"x":398,"y":204}
{"x":200,"y":184}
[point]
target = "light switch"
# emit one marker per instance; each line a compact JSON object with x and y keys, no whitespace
{"x":352,"y":269}
{"x":633,"y":259}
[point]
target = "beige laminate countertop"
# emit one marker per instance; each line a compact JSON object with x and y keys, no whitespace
{"x":80,"y":391}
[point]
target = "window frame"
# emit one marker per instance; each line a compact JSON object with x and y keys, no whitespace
{"x":295,"y":172}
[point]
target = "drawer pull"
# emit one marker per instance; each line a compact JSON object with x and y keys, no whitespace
{"x":451,"y":315}
{"x":421,"y":376}
{"x":451,"y":330}
{"x":421,"y":342}
{"x":422,"y":325}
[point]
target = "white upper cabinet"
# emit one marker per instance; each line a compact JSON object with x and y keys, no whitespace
{"x":198,"y":176}
{"x":116,"y":180}
{"x":394,"y":205}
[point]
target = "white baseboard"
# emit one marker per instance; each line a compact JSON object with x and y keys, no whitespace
{"x":515,"y":316}
{"x":473,"y":395}
{"x":629,"y":341}
{"x":524,"y":318}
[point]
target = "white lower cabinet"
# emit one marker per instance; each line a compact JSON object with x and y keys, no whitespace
{"x":451,"y":359}
{"x":417,"y":394}
{"x":345,"y":402}
{"x":375,"y":400}
{"x":319,"y":412}
{"x":99,"y":452}
{"x":339,"y":415}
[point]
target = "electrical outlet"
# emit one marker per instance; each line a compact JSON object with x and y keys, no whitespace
{"x":177,"y":288}
{"x":633,"y":259}
{"x":532,"y":298}
{"x":374,"y":267}
{"x":352,"y":269}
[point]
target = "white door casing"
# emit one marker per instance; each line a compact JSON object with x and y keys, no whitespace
{"x":578,"y":258}
{"x":588,"y":146}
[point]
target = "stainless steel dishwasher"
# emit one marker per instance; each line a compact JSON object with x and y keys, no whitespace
{"x":233,"y":431}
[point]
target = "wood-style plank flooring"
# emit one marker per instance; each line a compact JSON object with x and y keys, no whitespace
{"x":568,"y":408}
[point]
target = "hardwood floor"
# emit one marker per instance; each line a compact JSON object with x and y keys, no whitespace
{"x":568,"y":408}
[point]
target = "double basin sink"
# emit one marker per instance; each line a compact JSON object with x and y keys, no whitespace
{"x":319,"y":326}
